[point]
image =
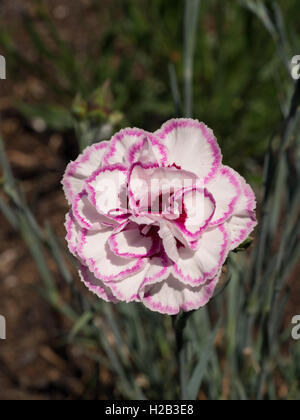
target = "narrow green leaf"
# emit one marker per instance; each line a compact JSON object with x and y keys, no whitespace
{"x":205,"y":355}
{"x":82,"y":321}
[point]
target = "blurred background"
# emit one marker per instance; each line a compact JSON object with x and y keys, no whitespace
{"x":75,"y":73}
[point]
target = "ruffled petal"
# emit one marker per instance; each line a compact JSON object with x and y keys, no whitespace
{"x":77,"y":172}
{"x":86,"y":214}
{"x":226,"y":190}
{"x":127,"y":289}
{"x":95,"y":252}
{"x":168,"y":240}
{"x":195,"y":267}
{"x":148,"y":150}
{"x":243,"y":220}
{"x":131,"y":289}
{"x":131,"y":243}
{"x":150,"y":187}
{"x":196,"y":207}
{"x":106,"y":190}
{"x":158,"y":269}
{"x":192,"y":146}
{"x":171,"y":295}
{"x":95,"y":285}
{"x":73,"y":229}
{"x":119,"y":150}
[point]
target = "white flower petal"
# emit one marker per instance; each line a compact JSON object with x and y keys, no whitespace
{"x":95,"y":252}
{"x":195,"y":267}
{"x":243,"y":220}
{"x":131,"y":243}
{"x":105,"y":190}
{"x":73,"y":229}
{"x":95,"y":285}
{"x":192,"y":146}
{"x":170,"y":296}
{"x":87,"y":215}
{"x":226,"y":190}
{"x":169,"y":241}
{"x":148,"y":184}
{"x":77,"y":172}
{"x":148,"y":150}
{"x":195,"y":207}
{"x":121,"y":144}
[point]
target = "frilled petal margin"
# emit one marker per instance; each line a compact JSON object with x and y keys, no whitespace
{"x":130,"y":242}
{"x":79,"y":170}
{"x":104,"y":187}
{"x":87,"y":215}
{"x":192,"y":146}
{"x":147,"y":182}
{"x":133,"y":144}
{"x":94,"y":250}
{"x":130,"y":289}
{"x":95,"y":285}
{"x":171,"y":295}
{"x":243,"y":220}
{"x":146,"y":150}
{"x":72,"y":228}
{"x":196,"y":208}
{"x":226,"y":190}
{"x":196,"y":267}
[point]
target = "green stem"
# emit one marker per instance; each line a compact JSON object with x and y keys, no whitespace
{"x":191,"y":15}
{"x":179,"y":323}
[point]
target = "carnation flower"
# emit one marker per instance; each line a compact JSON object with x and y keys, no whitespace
{"x":154,"y":215}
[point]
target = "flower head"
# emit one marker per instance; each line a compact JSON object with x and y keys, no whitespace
{"x":154,"y":215}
